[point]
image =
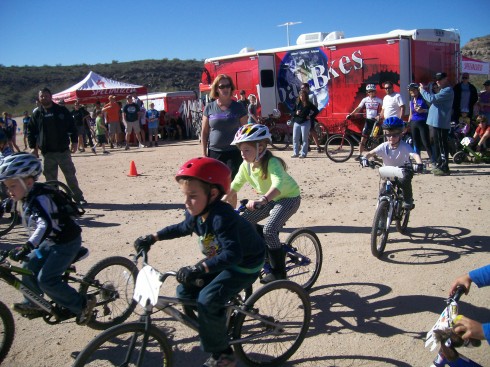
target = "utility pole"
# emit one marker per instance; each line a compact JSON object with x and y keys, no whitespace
{"x":287,"y":24}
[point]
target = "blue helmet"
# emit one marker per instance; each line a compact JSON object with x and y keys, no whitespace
{"x":393,"y":123}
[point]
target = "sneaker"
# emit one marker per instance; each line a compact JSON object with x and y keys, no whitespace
{"x":408,"y":205}
{"x":294,"y":156}
{"x":26,"y":308}
{"x":127,"y":147}
{"x":93,"y":150}
{"x":319,"y":149}
{"x":302,"y":156}
{"x":224,"y":360}
{"x":106,"y":152}
{"x":358,"y":158}
{"x":437,"y":172}
{"x":87,"y":312}
{"x":141,"y":146}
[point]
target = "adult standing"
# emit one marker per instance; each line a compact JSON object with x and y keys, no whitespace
{"x":313,"y":99}
{"x":304,"y":113}
{"x":131,"y":119}
{"x":393,"y":104}
{"x":417,"y":119}
{"x":221,"y":120}
{"x":51,"y":128}
{"x":80,"y":115}
{"x":465,"y":97}
{"x":25,"y":122}
{"x":484,"y":101}
{"x":243,"y":99}
{"x":252,"y":110}
{"x":439,"y":121}
{"x":112,"y":111}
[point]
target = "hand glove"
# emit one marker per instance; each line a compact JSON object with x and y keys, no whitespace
{"x":20,"y":252}
{"x":188,"y":274}
{"x":364,"y":162}
{"x":419,"y":167}
{"x":144,"y":243}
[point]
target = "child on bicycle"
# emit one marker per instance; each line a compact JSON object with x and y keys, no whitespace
{"x":55,"y":237}
{"x":396,"y":152}
{"x":279,"y":193}
{"x":234,"y":252}
{"x":481,"y":134}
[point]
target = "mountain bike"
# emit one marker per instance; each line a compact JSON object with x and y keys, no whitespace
{"x":281,"y":135}
{"x":468,"y":154}
{"x":111,"y":281}
{"x":266,"y":329}
{"x":443,"y":336}
{"x":304,"y":255}
{"x":7,"y":331}
{"x":340,"y":147}
{"x":389,"y":207}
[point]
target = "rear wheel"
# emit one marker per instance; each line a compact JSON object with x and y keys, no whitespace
{"x":304,"y":257}
{"x":280,"y":138}
{"x":402,"y":221}
{"x":282,"y":314}
{"x":112,"y":282}
{"x":7,"y":331}
{"x":339,"y":148}
{"x":380,"y":229}
{"x":8,"y":220}
{"x":459,"y":157}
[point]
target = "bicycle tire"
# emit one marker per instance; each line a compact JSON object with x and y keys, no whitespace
{"x":113,"y":346}
{"x":8,"y":221}
{"x":459,"y":157}
{"x":402,"y":221}
{"x":372,"y":142}
{"x":117,"y":276}
{"x":280,"y":301}
{"x":280,"y":140}
{"x":7,"y":331}
{"x":380,"y":229}
{"x":339,"y":148}
{"x":300,"y":270}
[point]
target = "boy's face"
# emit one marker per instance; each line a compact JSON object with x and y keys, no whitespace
{"x":393,"y":138}
{"x":195,"y":196}
{"x":15,"y":188}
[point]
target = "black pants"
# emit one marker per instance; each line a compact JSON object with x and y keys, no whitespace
{"x":420,"y":136}
{"x":441,"y":149}
{"x":233,"y":159}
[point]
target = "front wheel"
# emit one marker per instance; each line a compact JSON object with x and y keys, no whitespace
{"x":112,"y":281}
{"x":127,"y":345}
{"x":459,"y":157}
{"x":381,"y":227}
{"x":7,"y":331}
{"x":304,"y":257}
{"x":339,"y":148}
{"x":8,"y":221}
{"x":280,"y":139}
{"x":281,"y":317}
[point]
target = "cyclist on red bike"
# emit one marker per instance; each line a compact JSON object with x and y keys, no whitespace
{"x":373,"y":106}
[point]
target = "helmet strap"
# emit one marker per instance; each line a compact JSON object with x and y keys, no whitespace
{"x":258,"y":156}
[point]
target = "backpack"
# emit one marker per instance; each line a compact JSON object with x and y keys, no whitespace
{"x":61,"y":196}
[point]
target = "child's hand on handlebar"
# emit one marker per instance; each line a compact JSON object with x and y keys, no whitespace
{"x":463,"y":280}
{"x":144,"y":243}
{"x":468,"y":328}
{"x":255,"y":204}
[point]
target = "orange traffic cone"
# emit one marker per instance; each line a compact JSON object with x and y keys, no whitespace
{"x":132,"y":170}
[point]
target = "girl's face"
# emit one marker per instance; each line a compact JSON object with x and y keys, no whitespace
{"x":195,"y":196}
{"x":16,"y":188}
{"x":414,"y":92}
{"x":249,"y":151}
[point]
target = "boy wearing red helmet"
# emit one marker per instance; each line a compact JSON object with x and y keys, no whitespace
{"x":234,"y":251}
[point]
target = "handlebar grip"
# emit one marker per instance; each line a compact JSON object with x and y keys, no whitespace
{"x":459,"y":292}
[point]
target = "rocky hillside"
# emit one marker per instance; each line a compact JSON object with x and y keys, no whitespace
{"x":478,"y":48}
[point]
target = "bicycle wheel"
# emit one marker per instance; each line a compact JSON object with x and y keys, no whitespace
{"x":339,"y":148}
{"x":304,"y":257}
{"x":8,"y":221}
{"x":280,"y":139}
{"x":280,"y":302}
{"x":7,"y":331}
{"x":372,"y":142}
{"x":122,"y":345}
{"x":112,"y":281}
{"x":379,"y":232}
{"x":402,"y":221}
{"x":459,"y":157}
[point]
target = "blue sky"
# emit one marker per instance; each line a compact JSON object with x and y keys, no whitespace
{"x":69,"y":32}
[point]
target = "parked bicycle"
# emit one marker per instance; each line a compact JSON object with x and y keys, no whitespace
{"x":304,"y":256}
{"x":340,"y":147}
{"x":468,"y":154}
{"x":7,"y":331}
{"x":266,"y":329}
{"x":442,"y":335}
{"x":111,"y":281}
{"x":281,"y":134}
{"x":389,"y":207}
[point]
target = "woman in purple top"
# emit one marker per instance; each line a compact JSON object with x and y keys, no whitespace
{"x":419,"y":110}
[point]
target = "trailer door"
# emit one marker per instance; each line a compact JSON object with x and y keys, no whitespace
{"x":267,"y":85}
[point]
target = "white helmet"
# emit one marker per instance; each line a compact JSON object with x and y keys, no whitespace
{"x":467,"y":141}
{"x":20,"y":165}
{"x":370,"y":87}
{"x":249,"y":133}
{"x":276,"y":113}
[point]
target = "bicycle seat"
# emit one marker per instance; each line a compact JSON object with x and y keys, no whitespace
{"x":82,"y":254}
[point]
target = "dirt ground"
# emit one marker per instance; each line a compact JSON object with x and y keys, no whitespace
{"x":366,"y":312}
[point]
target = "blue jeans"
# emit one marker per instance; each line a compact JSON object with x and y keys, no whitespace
{"x":49,"y":270}
{"x":219,"y":289}
{"x":303,"y":131}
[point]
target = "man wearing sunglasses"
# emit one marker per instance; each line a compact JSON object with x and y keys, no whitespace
{"x":465,"y":97}
{"x":393,"y":104}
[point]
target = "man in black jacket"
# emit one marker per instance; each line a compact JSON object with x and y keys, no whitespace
{"x":51,"y":128}
{"x":465,"y":97}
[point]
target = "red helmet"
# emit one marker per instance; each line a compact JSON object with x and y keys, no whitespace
{"x":209,"y":170}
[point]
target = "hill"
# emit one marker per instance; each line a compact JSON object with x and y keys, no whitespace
{"x":19,"y":84}
{"x":478,"y":48}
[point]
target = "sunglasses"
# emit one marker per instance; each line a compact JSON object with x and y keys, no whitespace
{"x":224,"y":86}
{"x":388,"y":88}
{"x":392,"y":135}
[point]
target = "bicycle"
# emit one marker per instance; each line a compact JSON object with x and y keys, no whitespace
{"x":9,"y":216}
{"x":7,"y":330}
{"x":340,"y":147}
{"x":281,"y":135}
{"x":389,"y":207}
{"x":266,"y":329}
{"x":304,"y":255}
{"x":442,"y":334}
{"x":467,"y":154}
{"x":111,"y":281}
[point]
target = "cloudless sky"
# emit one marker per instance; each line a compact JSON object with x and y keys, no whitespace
{"x":69,"y":32}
